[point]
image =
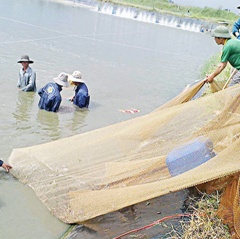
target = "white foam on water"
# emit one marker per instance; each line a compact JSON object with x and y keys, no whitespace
{"x":149,"y":17}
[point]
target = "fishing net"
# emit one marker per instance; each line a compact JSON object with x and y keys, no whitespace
{"x":104,"y":170}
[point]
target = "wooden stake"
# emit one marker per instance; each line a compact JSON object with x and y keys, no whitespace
{"x":231,"y":76}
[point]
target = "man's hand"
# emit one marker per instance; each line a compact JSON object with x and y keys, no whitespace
{"x":6,"y":166}
{"x":208,"y":79}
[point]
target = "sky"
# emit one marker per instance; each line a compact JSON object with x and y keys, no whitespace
{"x":223,"y":4}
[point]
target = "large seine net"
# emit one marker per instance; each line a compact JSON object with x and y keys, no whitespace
{"x":94,"y":173}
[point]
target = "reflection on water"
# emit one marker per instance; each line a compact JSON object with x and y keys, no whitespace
{"x":78,"y":119}
{"x":52,"y":126}
{"x":24,"y":106}
{"x":49,"y":122}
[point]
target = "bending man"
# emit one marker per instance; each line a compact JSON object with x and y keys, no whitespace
{"x":50,"y":97}
{"x":81,"y":97}
{"x":230,"y":53}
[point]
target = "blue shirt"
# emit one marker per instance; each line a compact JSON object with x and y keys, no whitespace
{"x":50,"y":98}
{"x":236,"y":27}
{"x":27,"y":80}
{"x":81,"y":98}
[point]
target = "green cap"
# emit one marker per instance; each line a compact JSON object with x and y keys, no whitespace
{"x":221,"y":31}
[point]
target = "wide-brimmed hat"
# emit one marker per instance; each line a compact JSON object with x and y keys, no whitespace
{"x":221,"y":31}
{"x":25,"y":58}
{"x":224,"y":23}
{"x":62,"y":79}
{"x":76,"y":77}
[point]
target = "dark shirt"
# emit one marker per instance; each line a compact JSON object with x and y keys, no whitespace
{"x":236,"y":28}
{"x":81,"y":98}
{"x":50,"y":98}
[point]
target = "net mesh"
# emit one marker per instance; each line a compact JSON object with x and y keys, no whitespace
{"x":104,"y":170}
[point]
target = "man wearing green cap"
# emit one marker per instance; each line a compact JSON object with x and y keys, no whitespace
{"x":230,"y":53}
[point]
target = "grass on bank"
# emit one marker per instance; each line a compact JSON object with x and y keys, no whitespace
{"x":209,"y":67}
{"x":204,"y":222}
{"x":165,"y":6}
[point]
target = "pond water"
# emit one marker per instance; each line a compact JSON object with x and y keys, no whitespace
{"x":125,"y":63}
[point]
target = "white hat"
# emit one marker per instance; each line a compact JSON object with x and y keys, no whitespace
{"x":76,"y":77}
{"x":62,"y":79}
{"x":25,"y":58}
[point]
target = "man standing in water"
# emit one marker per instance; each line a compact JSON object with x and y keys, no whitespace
{"x":81,"y":97}
{"x":230,"y":53}
{"x":50,"y":98}
{"x":27,"y":76}
{"x":6,"y":166}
